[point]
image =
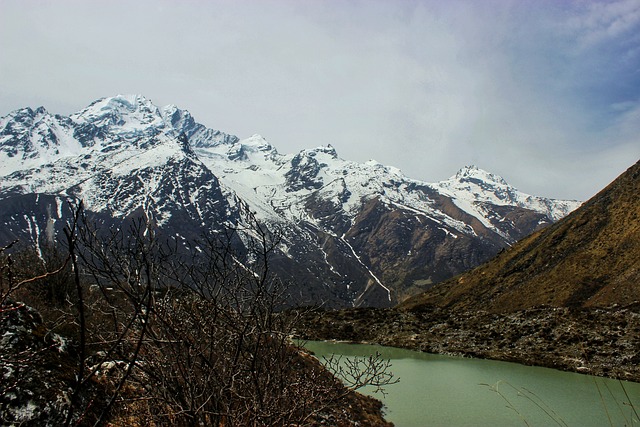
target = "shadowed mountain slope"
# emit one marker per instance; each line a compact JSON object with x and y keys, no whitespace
{"x":591,"y":258}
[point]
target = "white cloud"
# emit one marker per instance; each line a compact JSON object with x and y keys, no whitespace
{"x":427,"y":86}
{"x":597,"y":22}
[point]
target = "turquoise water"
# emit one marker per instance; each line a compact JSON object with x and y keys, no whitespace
{"x":439,"y":390}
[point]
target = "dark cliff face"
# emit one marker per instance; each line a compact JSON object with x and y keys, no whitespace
{"x":411,"y":252}
{"x":591,"y":258}
{"x":304,"y":173}
{"x":518,"y":222}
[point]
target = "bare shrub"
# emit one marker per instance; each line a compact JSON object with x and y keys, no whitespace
{"x":182,"y":335}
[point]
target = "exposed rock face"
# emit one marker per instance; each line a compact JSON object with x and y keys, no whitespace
{"x":352,"y":234}
{"x":413,"y":252}
{"x":36,"y":368}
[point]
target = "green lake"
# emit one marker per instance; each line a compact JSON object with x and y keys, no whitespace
{"x":439,"y":390}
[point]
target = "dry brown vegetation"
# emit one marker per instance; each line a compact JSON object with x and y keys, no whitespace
{"x":131,"y":329}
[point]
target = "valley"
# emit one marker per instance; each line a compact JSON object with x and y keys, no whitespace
{"x":356,"y":252}
{"x":565,"y":297}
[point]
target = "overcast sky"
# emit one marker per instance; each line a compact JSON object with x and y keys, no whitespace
{"x":545,"y":93}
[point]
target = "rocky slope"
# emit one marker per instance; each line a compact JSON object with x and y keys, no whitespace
{"x":352,"y":234}
{"x":37,"y":369}
{"x":566,"y":297}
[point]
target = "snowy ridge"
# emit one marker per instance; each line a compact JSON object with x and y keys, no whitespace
{"x":472,"y":186}
{"x":29,"y":138}
{"x":252,"y":168}
{"x":122,"y":154}
{"x":287,"y":181}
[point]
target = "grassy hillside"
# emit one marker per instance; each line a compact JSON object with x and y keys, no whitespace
{"x":589,"y":259}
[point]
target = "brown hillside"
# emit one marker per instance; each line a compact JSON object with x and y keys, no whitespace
{"x":591,"y":258}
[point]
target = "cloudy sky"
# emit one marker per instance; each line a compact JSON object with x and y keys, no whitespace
{"x":545,"y":93}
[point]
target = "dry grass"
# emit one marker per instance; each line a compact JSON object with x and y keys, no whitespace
{"x":589,"y":259}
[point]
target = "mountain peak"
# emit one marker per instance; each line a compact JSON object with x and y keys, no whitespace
{"x":132,"y":114}
{"x":328,"y":149}
{"x":129,"y":101}
{"x":257,"y":143}
{"x":588,"y":259}
{"x":473,"y":172}
{"x":181,"y":120}
{"x":26,"y":113}
{"x":119,"y":105}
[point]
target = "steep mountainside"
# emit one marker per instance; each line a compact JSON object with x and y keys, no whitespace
{"x":566,"y":297}
{"x":591,"y":258}
{"x":352,"y":234}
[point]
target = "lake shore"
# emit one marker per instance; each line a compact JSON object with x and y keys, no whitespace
{"x":441,"y":390}
{"x":601,"y":342}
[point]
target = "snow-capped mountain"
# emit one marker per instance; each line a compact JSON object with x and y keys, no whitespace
{"x":353,"y":233}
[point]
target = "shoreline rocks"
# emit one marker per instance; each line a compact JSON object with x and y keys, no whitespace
{"x":601,"y":342}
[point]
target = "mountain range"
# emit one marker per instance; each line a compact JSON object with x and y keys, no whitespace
{"x":351,"y":234}
{"x":565,"y":297}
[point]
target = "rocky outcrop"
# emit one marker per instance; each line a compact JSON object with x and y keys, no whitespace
{"x":38,"y":370}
